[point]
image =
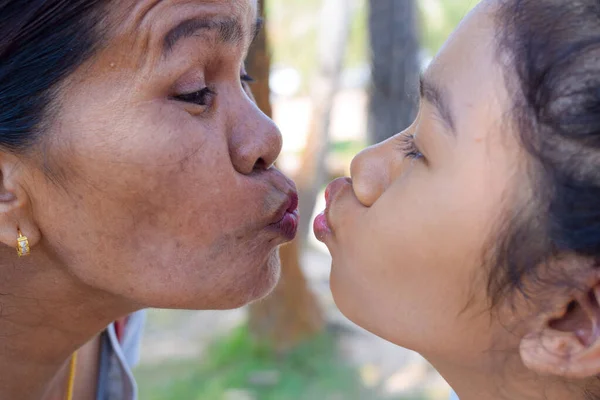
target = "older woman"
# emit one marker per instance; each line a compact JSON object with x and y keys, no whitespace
{"x":135,"y":172}
{"x":473,"y":237}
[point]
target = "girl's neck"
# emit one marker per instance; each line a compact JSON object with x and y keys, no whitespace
{"x":508,"y":381}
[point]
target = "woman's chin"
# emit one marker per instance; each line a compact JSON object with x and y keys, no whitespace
{"x":263,"y":283}
{"x":255,"y":285}
{"x":236,"y":287}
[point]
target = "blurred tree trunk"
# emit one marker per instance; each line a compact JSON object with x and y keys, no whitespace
{"x":395,"y":66}
{"x":291,"y":313}
{"x":334,"y":31}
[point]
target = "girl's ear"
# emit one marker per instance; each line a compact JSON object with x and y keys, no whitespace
{"x":566,"y":341}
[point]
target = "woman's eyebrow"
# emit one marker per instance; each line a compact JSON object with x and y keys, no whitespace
{"x":436,"y":96}
{"x":229,"y":30}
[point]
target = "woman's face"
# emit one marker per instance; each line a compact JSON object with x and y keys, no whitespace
{"x":408,"y":233}
{"x":158,"y":184}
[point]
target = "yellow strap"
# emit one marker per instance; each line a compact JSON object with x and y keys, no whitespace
{"x":71,"y":382}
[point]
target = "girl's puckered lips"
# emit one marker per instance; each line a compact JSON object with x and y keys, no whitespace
{"x":321,"y":225}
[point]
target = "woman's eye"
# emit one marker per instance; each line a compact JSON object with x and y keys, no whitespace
{"x":202,"y":97}
{"x":409,"y":147}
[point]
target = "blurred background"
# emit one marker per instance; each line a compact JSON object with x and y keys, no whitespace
{"x":336,"y":76}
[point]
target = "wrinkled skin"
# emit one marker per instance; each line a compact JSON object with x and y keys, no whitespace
{"x":165,"y":202}
{"x":139,"y":194}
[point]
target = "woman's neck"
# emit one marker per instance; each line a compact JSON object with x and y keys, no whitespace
{"x":46,"y":315}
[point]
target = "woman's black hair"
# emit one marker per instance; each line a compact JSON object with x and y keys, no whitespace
{"x":41,"y":43}
{"x":551,"y":49}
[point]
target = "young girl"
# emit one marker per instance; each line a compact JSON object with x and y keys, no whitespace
{"x":473,"y":237}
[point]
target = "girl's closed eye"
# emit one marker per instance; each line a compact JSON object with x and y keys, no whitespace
{"x":408,"y":147}
{"x":246,"y":78}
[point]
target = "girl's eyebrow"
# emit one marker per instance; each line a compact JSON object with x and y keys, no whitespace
{"x":437,"y":97}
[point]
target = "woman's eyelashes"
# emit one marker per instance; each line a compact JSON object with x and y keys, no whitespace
{"x":202,"y":97}
{"x":408,"y":147}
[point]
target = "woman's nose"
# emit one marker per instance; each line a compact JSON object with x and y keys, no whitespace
{"x":255,"y":141}
{"x":372,"y":171}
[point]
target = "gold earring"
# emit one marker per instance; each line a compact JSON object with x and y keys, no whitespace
{"x":22,"y":245}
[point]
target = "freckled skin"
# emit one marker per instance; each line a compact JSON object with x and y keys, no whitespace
{"x":166,"y":213}
{"x":134,"y":198}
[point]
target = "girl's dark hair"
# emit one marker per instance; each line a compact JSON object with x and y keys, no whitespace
{"x":551,"y":51}
{"x":41,"y":42}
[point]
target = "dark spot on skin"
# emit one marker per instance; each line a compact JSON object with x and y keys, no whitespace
{"x":218,"y":247}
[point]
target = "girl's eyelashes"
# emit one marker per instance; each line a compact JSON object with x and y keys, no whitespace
{"x":246,"y":78}
{"x":408,"y":147}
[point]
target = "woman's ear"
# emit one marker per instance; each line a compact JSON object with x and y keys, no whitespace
{"x":15,"y":206}
{"x":566,"y":342}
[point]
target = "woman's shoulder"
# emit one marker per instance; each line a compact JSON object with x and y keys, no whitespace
{"x":120,"y":354}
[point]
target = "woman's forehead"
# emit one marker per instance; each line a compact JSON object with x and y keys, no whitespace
{"x":142,"y":32}
{"x":137,"y":14}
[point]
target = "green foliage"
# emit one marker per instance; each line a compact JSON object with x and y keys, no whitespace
{"x":358,"y":42}
{"x":293,"y":31}
{"x":311,"y":371}
{"x":439,"y":18}
{"x":347,"y":148}
{"x":293,"y":35}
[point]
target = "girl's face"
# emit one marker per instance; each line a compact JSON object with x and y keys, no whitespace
{"x":157,"y":184}
{"x":411,"y":233}
{"x":408,"y":232}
